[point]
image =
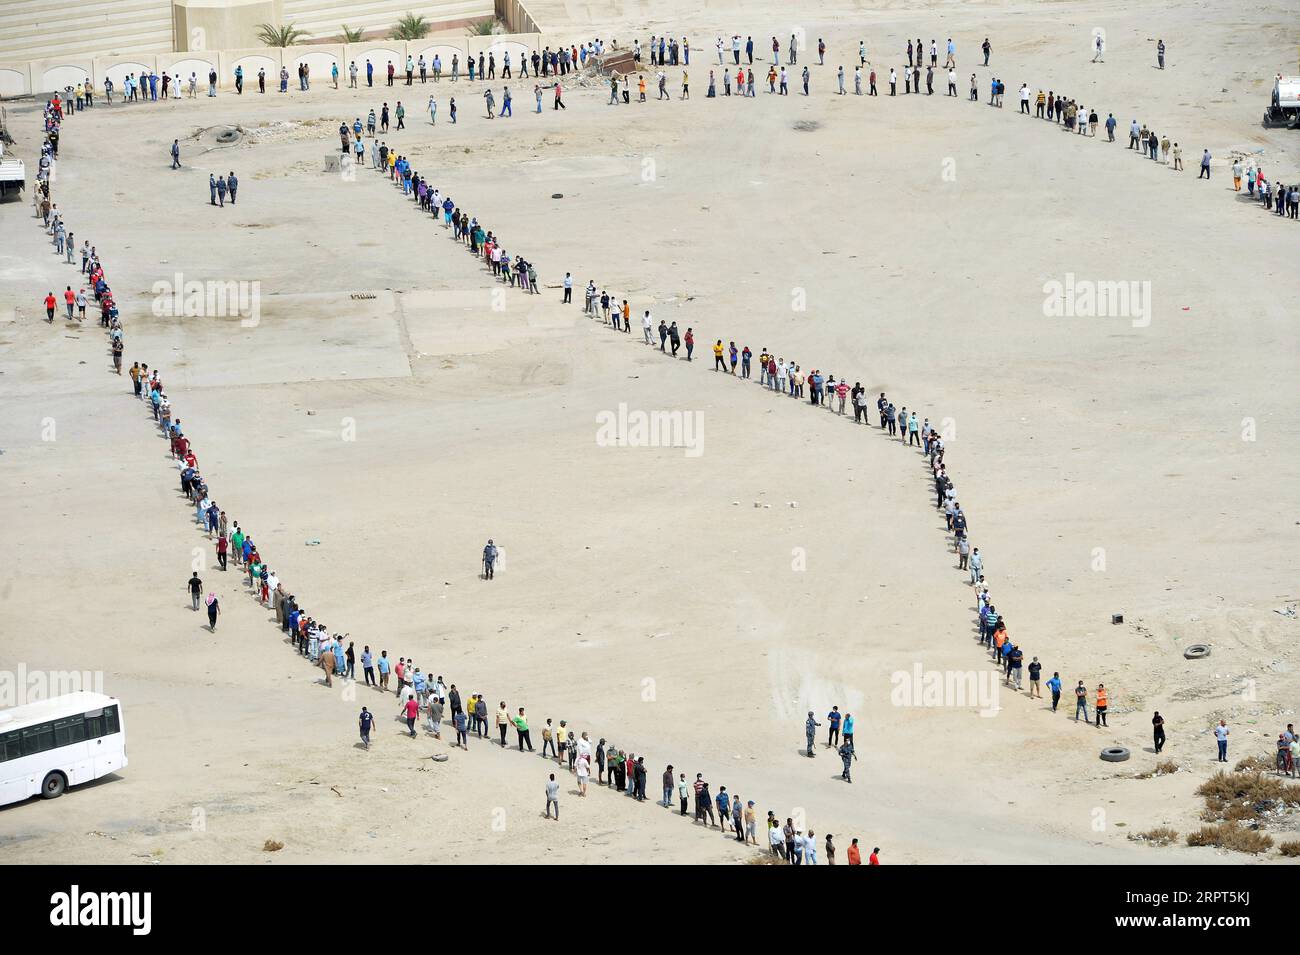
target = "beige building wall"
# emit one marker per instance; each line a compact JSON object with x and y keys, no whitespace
{"x":325,"y":18}
{"x":50,"y":29}
{"x":222,"y":24}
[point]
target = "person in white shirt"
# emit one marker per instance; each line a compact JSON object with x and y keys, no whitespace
{"x":810,"y":848}
{"x":776,"y":841}
{"x":720,"y":48}
{"x":646,"y":326}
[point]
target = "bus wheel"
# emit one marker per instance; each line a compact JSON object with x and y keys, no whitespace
{"x":53,"y":786}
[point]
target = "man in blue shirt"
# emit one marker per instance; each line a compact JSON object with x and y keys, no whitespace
{"x":1054,"y":684}
{"x":365,"y":721}
{"x":833,"y":719}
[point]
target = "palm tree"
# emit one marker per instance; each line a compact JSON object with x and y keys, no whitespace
{"x":350,"y":35}
{"x":410,"y":27}
{"x":280,"y":36}
{"x":483,"y":27}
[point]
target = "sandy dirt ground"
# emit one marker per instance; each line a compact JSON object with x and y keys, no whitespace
{"x":1108,"y":464}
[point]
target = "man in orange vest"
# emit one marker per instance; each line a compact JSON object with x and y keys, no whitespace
{"x":1101,"y":705}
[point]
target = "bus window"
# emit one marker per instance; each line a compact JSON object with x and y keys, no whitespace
{"x":111,"y":724}
{"x":37,"y":739}
{"x":69,"y":730}
{"x":11,"y":745}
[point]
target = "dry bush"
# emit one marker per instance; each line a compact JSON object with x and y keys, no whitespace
{"x":272,"y":845}
{"x":1245,"y":796}
{"x":1166,"y":767}
{"x":1159,"y":836}
{"x":1229,"y":835}
{"x":1255,"y":764}
{"x":1290,"y":849}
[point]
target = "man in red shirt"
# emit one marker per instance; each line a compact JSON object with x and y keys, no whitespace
{"x":70,"y":297}
{"x":51,"y":303}
{"x":411,"y":709}
{"x":855,"y":854}
{"x":875,"y":859}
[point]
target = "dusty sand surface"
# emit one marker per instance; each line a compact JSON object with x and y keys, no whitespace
{"x":638,"y":599}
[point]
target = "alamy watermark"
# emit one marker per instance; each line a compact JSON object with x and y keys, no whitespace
{"x":179,"y":298}
{"x":959,"y":689}
{"x":1088,"y":298}
{"x":651,"y":429}
{"x":21,"y":686}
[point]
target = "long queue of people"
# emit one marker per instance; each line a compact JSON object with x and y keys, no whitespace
{"x":1064,"y":111}
{"x":785,"y":377}
{"x":421,"y":699}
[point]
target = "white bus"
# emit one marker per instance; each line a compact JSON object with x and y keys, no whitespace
{"x":47,"y":746}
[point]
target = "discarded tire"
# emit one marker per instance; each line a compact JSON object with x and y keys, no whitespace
{"x":228,"y":136}
{"x":1114,"y":754}
{"x":1197,"y":651}
{"x":557,"y":195}
{"x":439,"y":757}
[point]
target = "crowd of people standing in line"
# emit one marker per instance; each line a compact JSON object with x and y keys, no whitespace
{"x":419,"y":697}
{"x":312,"y":639}
{"x":1064,"y":111}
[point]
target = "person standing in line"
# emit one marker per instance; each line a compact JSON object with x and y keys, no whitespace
{"x":1035,"y":673}
{"x":1081,"y":702}
{"x":521,"y":731}
{"x":1101,"y":706}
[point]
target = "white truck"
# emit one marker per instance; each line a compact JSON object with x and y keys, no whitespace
{"x":13,"y":175}
{"x":1284,"y":110}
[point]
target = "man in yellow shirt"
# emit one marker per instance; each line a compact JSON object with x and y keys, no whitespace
{"x":561,"y":742}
